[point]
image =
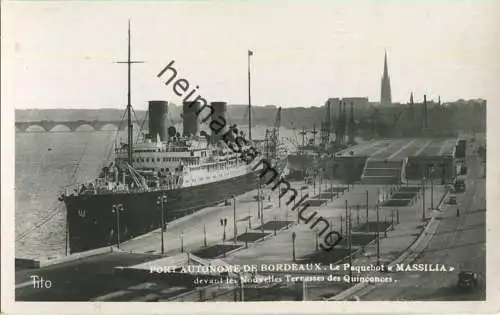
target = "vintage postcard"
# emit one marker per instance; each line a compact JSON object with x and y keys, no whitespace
{"x":278,"y":156}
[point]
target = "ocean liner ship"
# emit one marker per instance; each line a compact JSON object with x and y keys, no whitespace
{"x":165,"y":176}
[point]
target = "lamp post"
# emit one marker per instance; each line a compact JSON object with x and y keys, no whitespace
{"x":261,"y":202}
{"x":385,"y":224}
{"x":242,"y":290}
{"x":66,"y":235}
{"x":316,"y":235}
{"x":367,"y":205}
{"x":258,"y":201}
{"x":249,"y":219}
{"x":331,"y":188}
{"x":300,"y":195}
{"x":314,"y":183}
{"x":357,"y":211}
{"x":423,"y":198}
{"x":347,"y":218}
{"x":431,"y":173}
{"x":320,"y":178}
{"x":160,"y":201}
{"x":392,"y":220}
{"x":341,"y":225}
{"x":204,"y":235}
{"x":279,"y":198}
{"x":275,"y":225}
{"x":349,"y":235}
{"x":223,"y":223}
{"x":234,"y":219}
{"x":116,"y":210}
{"x":182,"y":241}
{"x":293,"y":245}
{"x":246,"y":237}
{"x":378,"y":234}
{"x":334,"y":169}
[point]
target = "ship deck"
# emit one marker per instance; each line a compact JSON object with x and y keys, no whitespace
{"x":395,"y":149}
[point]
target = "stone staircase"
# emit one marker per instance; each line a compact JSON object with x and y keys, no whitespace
{"x":380,"y":172}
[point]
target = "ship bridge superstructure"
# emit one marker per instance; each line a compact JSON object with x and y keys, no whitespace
{"x":193,"y":160}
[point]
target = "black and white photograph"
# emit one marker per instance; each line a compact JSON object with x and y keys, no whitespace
{"x":319,"y":154}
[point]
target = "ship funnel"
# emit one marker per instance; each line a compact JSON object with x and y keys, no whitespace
{"x":158,"y":120}
{"x":220,"y":110}
{"x":191,"y":124}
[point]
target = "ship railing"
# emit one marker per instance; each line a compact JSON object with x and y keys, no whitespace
{"x":115,"y":191}
{"x":76,"y":190}
{"x":79,"y":189}
{"x":99,"y":189}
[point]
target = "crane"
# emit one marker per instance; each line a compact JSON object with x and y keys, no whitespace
{"x":276,"y":132}
{"x":272,"y":136}
{"x":303,"y":133}
{"x":293,"y":140}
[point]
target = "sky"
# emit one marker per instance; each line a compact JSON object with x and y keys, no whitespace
{"x":61,"y":55}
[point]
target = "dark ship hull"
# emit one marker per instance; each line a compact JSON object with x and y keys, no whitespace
{"x":92,"y":223}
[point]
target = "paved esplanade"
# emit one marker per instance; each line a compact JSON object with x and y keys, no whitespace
{"x":191,"y":230}
{"x":459,"y":241}
{"x":278,"y":249}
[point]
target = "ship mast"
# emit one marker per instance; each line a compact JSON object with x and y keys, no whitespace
{"x":129,"y":62}
{"x":250,"y":53}
{"x":129,"y":105}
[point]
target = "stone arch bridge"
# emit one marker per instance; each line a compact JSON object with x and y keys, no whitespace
{"x":49,"y":125}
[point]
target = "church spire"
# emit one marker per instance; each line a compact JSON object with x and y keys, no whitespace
{"x":386,"y":72}
{"x":385,"y":90}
